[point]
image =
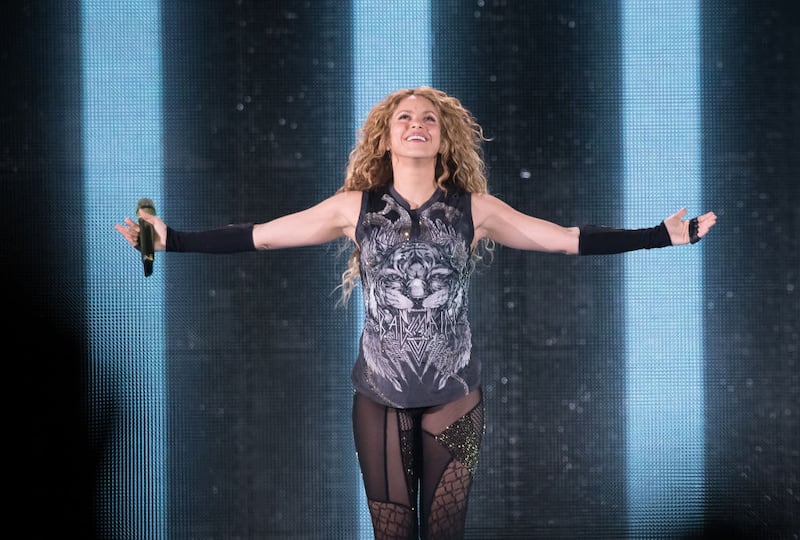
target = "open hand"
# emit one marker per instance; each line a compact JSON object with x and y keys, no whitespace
{"x":130,"y":231}
{"x":679,"y":229}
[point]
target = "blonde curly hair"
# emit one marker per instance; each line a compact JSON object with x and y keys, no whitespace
{"x":459,"y":164}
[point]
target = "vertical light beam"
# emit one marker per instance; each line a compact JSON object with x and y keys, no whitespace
{"x":392,"y":44}
{"x":663,"y":288}
{"x":122,"y":159}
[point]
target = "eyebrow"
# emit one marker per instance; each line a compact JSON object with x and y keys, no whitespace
{"x":429,"y":111}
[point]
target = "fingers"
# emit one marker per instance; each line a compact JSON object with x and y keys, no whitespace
{"x":147,"y":216}
{"x":701,"y":225}
{"x":705,"y":222}
{"x":129,"y":231}
{"x":689,"y":231}
{"x":710,"y":218}
{"x":677,"y":216}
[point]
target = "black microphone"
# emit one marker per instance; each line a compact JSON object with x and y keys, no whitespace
{"x":146,"y":246}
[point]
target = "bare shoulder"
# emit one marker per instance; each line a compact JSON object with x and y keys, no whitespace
{"x":347,"y":205}
{"x":346,"y":202}
{"x":485,"y":205}
{"x":349,"y":197}
{"x":483,"y":201}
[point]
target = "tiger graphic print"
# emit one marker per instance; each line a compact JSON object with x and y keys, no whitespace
{"x":415,"y":268}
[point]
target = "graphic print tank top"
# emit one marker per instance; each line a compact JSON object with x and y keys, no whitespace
{"x":415,"y":269}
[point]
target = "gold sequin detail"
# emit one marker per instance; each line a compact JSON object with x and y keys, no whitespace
{"x":463,"y":438}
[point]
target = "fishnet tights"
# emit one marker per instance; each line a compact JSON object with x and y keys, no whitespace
{"x":391,"y":521}
{"x":418,"y":465}
{"x":449,"y":509}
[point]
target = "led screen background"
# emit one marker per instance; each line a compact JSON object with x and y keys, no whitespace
{"x":238,"y":425}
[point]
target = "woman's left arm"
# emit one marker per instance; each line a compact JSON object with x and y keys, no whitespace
{"x":502,"y":223}
{"x":498,"y":221}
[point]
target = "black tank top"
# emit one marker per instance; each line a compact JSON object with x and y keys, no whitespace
{"x":415,"y":269}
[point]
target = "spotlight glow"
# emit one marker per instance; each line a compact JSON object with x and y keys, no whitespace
{"x":663,"y":288}
{"x":386,"y":57}
{"x":122,"y":141}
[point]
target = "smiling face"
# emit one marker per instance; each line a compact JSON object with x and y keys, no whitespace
{"x":414,"y":129}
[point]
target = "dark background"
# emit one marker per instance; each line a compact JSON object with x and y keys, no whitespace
{"x":258,"y":356}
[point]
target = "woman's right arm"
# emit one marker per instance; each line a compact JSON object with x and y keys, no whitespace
{"x":332,"y":218}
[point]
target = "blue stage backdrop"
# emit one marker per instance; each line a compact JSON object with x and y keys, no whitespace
{"x":649,"y":395}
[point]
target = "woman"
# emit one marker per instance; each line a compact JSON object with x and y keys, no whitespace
{"x":416,"y":207}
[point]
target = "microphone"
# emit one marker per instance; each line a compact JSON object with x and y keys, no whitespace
{"x":146,"y":246}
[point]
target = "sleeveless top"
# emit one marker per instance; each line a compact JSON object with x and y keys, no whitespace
{"x":415,"y":268}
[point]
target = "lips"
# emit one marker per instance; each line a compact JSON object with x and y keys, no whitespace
{"x":417,"y":137}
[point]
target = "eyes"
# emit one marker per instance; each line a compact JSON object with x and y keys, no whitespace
{"x":427,"y":117}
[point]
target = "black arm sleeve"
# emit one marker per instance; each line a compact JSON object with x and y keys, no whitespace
{"x":595,"y":240}
{"x":230,"y":239}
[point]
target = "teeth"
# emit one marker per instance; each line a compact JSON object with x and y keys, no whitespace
{"x":416,"y":138}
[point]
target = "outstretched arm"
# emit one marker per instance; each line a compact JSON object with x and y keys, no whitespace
{"x":498,"y":221}
{"x":333,"y":218}
{"x":673,"y":231}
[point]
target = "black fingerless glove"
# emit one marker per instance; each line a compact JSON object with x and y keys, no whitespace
{"x":230,"y":239}
{"x":595,"y":240}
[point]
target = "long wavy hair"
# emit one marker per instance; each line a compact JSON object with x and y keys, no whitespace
{"x":459,"y":164}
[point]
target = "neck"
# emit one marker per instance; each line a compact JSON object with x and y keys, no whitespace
{"x":414,"y":179}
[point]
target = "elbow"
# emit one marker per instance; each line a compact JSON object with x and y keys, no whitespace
{"x":260,"y":240}
{"x":571,"y":241}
